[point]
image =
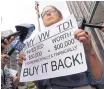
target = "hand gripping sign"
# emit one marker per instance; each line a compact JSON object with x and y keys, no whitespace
{"x":53,"y":53}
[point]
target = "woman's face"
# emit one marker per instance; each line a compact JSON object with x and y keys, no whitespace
{"x":50,"y":16}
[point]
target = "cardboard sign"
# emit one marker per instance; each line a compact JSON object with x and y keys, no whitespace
{"x":53,"y":53}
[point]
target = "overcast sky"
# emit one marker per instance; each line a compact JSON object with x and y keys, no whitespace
{"x":14,"y":12}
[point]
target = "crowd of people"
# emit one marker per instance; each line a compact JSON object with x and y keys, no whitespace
{"x":90,"y":79}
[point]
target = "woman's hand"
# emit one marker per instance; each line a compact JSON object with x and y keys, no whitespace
{"x":83,"y":37}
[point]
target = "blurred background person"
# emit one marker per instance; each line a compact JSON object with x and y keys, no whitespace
{"x":8,"y":81}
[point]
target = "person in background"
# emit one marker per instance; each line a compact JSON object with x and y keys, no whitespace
{"x":20,"y":59}
{"x":8,"y":81}
{"x":20,"y":62}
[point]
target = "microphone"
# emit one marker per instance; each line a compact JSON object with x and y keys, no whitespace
{"x":83,"y":23}
{"x":26,"y":30}
{"x":23,"y":32}
{"x":8,"y":37}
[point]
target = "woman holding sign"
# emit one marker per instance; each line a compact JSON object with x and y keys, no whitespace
{"x":86,"y":80}
{"x":93,"y":76}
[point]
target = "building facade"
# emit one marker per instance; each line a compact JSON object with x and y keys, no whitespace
{"x":93,"y":12}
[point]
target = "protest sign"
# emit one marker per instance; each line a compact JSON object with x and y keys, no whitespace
{"x":53,"y":53}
